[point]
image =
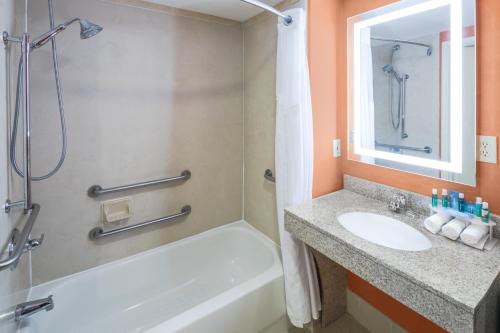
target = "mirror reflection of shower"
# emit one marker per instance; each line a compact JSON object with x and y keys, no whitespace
{"x":398,"y":116}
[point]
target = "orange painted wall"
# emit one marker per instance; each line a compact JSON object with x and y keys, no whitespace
{"x":323,"y":41}
{"x":328,"y":68}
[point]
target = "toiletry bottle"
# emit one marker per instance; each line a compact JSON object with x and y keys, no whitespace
{"x":479,"y":206}
{"x":461,"y":202}
{"x":434,"y":197}
{"x":454,"y":199}
{"x":485,"y":213}
{"x":444,"y":198}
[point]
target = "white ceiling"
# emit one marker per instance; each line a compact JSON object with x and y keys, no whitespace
{"x":230,"y":9}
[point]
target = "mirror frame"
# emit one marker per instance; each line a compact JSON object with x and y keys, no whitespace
{"x":386,"y":14}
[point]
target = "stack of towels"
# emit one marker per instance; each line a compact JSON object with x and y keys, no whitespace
{"x":473,"y":235}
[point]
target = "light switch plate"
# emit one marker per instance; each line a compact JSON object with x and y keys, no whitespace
{"x":336,"y":148}
{"x":487,"y":150}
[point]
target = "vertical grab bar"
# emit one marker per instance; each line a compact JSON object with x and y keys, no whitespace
{"x":27,"y":122}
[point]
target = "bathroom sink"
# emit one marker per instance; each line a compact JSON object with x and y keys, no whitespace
{"x":385,"y":231}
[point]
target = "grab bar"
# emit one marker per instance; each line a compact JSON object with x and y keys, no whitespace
{"x":96,"y":190}
{"x":98,"y":232}
{"x":268,"y":174}
{"x":426,"y":149}
{"x":18,"y":246}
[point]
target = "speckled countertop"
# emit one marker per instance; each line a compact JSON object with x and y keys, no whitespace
{"x":452,"y":271}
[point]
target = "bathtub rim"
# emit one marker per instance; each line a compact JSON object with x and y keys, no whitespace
{"x":242,"y":224}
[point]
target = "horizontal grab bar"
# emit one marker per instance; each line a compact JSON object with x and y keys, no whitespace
{"x":98,"y":232}
{"x":20,"y":244}
{"x":96,"y":190}
{"x":426,"y":149}
{"x":268,"y":174}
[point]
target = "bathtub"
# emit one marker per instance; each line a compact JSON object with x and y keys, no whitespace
{"x":227,"y":279}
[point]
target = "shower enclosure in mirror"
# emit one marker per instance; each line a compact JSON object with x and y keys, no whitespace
{"x":412,"y":73}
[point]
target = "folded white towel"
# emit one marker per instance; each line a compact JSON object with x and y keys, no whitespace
{"x":436,"y":221}
{"x":474,"y":233}
{"x":453,"y":229}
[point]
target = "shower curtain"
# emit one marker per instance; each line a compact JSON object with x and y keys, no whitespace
{"x":294,"y":164}
{"x":367,"y":104}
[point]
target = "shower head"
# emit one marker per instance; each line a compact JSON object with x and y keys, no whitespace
{"x":87,"y":30}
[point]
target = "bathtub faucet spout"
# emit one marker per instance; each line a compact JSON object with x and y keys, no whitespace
{"x":28,"y":309}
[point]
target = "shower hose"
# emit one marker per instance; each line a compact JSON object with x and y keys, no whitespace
{"x":60,"y":104}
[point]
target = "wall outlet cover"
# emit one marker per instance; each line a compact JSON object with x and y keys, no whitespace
{"x":336,"y":148}
{"x":487,"y":149}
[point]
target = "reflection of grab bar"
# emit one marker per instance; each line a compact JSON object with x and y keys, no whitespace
{"x":426,"y":149}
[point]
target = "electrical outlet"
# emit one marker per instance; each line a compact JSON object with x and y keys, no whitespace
{"x":487,"y":150}
{"x":336,"y":148}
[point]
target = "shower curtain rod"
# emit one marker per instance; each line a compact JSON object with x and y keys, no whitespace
{"x":429,"y":47}
{"x":286,"y":18}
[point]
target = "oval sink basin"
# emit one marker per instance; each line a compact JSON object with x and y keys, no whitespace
{"x":385,"y":231}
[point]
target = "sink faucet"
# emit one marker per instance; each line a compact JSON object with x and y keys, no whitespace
{"x":28,"y":309}
{"x":398,"y":203}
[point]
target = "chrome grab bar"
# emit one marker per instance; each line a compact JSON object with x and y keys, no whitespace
{"x":268,"y":175}
{"x":426,"y":149}
{"x":18,"y":248}
{"x":96,"y":190}
{"x":99,"y":232}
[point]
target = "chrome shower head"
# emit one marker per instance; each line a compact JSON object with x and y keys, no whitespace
{"x":88,"y":29}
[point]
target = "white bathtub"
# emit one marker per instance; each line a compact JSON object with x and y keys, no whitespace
{"x":228,"y":279}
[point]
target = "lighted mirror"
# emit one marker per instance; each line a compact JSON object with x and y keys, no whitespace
{"x":412,"y":89}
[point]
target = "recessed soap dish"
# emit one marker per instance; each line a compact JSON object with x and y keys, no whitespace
{"x":115,"y":211}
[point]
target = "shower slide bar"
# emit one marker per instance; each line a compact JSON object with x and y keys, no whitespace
{"x":98,"y":232}
{"x":426,"y":149}
{"x":268,"y":175}
{"x":287,"y":19}
{"x":429,"y":47}
{"x":96,"y":190}
{"x":18,"y":244}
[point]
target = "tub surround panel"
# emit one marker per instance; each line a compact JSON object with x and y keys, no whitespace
{"x":151,"y":95}
{"x":423,"y":281}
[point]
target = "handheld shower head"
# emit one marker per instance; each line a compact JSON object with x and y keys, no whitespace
{"x":87,"y":30}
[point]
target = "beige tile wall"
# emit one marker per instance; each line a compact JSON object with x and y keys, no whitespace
{"x":260,"y":118}
{"x":156,"y":92}
{"x":260,"y":36}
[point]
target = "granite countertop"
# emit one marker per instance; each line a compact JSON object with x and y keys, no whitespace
{"x":451,"y":270}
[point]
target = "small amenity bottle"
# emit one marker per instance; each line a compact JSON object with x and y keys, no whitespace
{"x":461,"y":202}
{"x":444,"y":198}
{"x":485,"y":213}
{"x":434,"y":197}
{"x":479,"y":206}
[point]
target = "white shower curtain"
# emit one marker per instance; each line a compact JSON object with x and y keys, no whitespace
{"x":294,"y":164}
{"x":367,"y":104}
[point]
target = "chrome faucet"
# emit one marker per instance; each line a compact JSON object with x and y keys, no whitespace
{"x":398,"y":203}
{"x":28,"y":309}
